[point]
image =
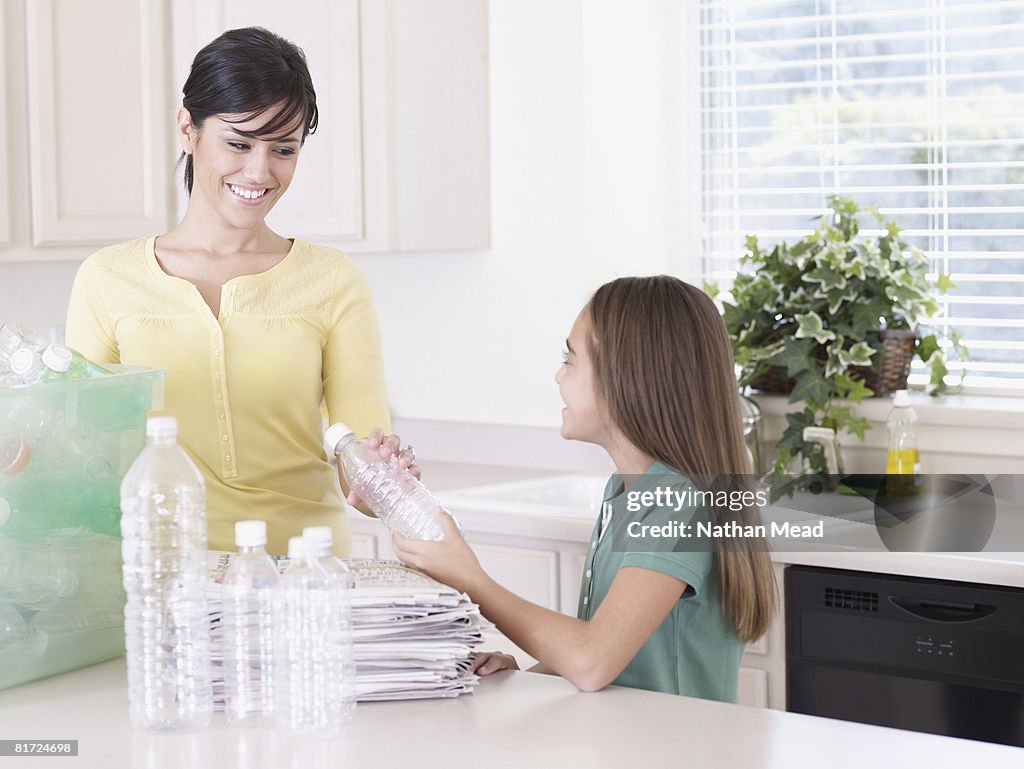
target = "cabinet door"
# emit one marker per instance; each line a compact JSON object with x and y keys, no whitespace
{"x":753,"y":688}
{"x":529,"y":573}
{"x":99,"y":164}
{"x":5,"y":181}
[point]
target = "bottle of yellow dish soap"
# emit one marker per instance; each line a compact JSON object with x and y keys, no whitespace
{"x":902,"y":459}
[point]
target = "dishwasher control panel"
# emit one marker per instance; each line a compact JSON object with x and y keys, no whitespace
{"x":933,"y":646}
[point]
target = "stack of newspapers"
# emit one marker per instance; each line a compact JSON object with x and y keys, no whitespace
{"x":413,"y":637}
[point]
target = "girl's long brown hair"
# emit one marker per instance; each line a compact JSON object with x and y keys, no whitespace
{"x":664,"y":371}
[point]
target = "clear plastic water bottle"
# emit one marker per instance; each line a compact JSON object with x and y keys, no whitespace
{"x":247,"y":625}
{"x":12,"y":338}
{"x":337,"y":570}
{"x":56,"y":362}
{"x":167,"y":632}
{"x":402,"y":503}
{"x":307,"y":659}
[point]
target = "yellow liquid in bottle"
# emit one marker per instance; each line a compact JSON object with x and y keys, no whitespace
{"x":901,"y":462}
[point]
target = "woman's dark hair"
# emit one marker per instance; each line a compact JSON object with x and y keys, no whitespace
{"x":245,"y":72}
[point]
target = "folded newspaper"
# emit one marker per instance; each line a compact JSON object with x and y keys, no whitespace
{"x":413,"y":637}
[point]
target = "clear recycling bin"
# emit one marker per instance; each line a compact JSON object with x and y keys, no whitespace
{"x":64,"y":448}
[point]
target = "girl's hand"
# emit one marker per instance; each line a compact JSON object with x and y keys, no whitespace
{"x":388,"y":445}
{"x":485,"y":663}
{"x":451,"y":561}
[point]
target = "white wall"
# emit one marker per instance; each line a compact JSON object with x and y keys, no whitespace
{"x":581,"y":130}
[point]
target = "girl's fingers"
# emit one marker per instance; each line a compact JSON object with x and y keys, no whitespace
{"x":390,"y":445}
{"x":375,"y":438}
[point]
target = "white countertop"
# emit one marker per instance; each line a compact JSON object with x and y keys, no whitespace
{"x":515,"y":719}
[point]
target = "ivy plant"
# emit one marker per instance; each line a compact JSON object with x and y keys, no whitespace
{"x":816,"y":309}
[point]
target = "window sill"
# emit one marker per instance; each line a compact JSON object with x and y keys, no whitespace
{"x":995,"y":411}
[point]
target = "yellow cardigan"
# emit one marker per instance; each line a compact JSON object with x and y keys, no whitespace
{"x":246,"y":387}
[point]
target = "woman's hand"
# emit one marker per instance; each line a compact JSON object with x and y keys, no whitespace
{"x":485,"y":663}
{"x":451,"y":561}
{"x":388,"y":445}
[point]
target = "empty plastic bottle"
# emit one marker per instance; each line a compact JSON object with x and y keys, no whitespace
{"x":308,"y":659}
{"x":247,"y":626}
{"x":167,"y":633}
{"x":402,"y":503}
{"x":342,"y":609}
{"x":56,"y":362}
{"x":13,"y":628}
{"x":12,"y":338}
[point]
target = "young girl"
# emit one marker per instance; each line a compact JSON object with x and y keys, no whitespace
{"x":648,"y":376}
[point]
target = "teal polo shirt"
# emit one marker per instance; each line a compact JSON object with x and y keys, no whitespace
{"x":694,"y":651}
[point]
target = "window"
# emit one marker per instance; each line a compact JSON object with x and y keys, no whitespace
{"x":915,"y":106}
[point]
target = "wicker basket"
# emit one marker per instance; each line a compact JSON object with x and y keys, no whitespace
{"x":897,"y":352}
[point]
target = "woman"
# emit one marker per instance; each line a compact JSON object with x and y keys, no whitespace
{"x":255,"y":330}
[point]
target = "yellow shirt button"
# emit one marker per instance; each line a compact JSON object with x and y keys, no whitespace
{"x":224,"y":438}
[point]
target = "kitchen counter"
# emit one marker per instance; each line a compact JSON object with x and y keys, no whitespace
{"x":514,"y":719}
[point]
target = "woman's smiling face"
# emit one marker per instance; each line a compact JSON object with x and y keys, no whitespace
{"x":241,"y":178}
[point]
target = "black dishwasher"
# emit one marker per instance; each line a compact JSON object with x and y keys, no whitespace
{"x":920,"y":654}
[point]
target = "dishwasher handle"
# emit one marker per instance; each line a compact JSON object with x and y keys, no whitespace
{"x":942,"y":611}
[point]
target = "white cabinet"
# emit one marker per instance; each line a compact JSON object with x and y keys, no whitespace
{"x":399,"y":161}
{"x":763,"y":668}
{"x":89,"y":94}
{"x":5,"y":178}
{"x":84,"y":101}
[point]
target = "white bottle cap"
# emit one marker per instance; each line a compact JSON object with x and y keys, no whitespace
{"x":57,"y":357}
{"x":300,"y":547}
{"x":250,"y":533}
{"x":333,"y":436}
{"x":161,"y":427}
{"x":901,"y":399}
{"x":322,"y":535}
{"x":23,"y":360}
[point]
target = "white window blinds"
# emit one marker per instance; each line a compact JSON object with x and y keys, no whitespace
{"x":914,"y":106}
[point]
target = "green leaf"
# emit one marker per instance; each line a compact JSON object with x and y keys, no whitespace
{"x":811,"y":385}
{"x":711,"y":289}
{"x":858,"y":355}
{"x":827,"y":277}
{"x":812,"y":327}
{"x":793,"y":437}
{"x":751,"y":243}
{"x":838,"y":417}
{"x":944,"y":283}
{"x":858,"y":426}
{"x":938,"y":372}
{"x":852,"y":389}
{"x":794,"y":355}
{"x":927,"y":347}
{"x":837,"y":297}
